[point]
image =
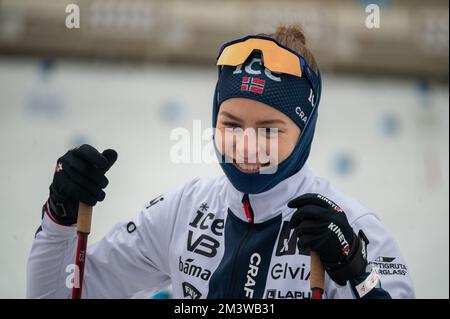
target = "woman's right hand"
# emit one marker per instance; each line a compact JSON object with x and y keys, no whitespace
{"x":79,"y":177}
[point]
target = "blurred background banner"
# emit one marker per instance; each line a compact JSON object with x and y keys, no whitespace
{"x":412,"y":38}
{"x":134,"y":70}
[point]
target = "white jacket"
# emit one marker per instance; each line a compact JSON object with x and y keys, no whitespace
{"x":197,"y":238}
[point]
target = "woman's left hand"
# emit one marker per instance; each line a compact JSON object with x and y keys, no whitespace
{"x":322,"y":226}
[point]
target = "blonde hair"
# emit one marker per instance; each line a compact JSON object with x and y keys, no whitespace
{"x":294,"y":38}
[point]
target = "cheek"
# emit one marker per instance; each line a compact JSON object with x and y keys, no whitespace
{"x":218,"y":139}
{"x":223,"y":144}
{"x":285,"y":147}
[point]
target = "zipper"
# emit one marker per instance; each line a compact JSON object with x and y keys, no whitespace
{"x":250,"y":218}
{"x":248,"y":209}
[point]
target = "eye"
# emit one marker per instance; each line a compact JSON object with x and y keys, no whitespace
{"x":231,"y":124}
{"x":270,"y":132}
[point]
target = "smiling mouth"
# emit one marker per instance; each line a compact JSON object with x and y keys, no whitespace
{"x":250,"y":168}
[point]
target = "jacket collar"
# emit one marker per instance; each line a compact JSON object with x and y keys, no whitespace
{"x":272,"y":202}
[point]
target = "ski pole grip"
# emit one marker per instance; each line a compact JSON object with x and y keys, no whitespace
{"x":84,"y":218}
{"x":317,"y":278}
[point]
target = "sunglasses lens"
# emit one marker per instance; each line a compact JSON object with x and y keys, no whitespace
{"x":276,"y":58}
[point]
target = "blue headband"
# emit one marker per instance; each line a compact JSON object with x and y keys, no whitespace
{"x":297,"y":97}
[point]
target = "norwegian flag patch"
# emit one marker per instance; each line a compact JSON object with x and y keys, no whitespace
{"x":255,"y":85}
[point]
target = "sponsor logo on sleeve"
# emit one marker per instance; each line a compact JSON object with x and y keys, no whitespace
{"x":381,"y":259}
{"x":388,"y":266}
{"x":131,"y":227}
{"x":189,"y":291}
{"x":154,"y":201}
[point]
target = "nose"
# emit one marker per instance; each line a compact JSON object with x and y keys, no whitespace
{"x":246,"y":147}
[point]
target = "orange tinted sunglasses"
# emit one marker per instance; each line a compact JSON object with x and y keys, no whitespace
{"x":275,"y":58}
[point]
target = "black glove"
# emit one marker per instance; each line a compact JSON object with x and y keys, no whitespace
{"x":79,"y":176}
{"x":322,"y":226}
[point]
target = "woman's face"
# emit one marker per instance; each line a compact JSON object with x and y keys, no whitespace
{"x":254,"y":135}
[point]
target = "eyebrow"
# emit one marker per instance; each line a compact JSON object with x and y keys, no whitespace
{"x":275,"y":121}
{"x":231,"y":116}
{"x":263,"y":122}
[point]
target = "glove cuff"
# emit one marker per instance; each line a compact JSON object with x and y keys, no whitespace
{"x":65,"y":212}
{"x":354,"y":265}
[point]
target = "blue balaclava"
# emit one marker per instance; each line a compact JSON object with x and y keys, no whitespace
{"x":288,"y":94}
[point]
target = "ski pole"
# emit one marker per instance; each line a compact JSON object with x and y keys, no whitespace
{"x":83,"y":230}
{"x":317,"y":276}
